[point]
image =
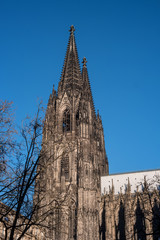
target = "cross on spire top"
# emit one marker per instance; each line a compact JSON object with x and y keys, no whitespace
{"x":72,"y":29}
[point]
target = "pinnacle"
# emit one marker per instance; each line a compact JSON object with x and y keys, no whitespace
{"x":86,"y":84}
{"x":84,"y":62}
{"x":72,"y":29}
{"x":129,"y":186}
{"x":71,"y":75}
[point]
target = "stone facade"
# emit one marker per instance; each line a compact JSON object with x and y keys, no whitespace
{"x":73,"y":167}
{"x":75,"y":159}
{"x":34,"y":232}
{"x":130,"y":216}
{"x":69,"y":187}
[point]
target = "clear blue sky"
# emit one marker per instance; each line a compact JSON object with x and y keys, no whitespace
{"x":121,"y":41}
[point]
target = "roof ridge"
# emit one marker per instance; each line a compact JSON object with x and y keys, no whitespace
{"x":139,"y":171}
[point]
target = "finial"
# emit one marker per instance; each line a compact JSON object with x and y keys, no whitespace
{"x":112,"y":187}
{"x":50,"y":99}
{"x":84,"y":62}
{"x":145,"y":183}
{"x":129,"y":186}
{"x":137,"y":188}
{"x":72,"y":29}
{"x":97,"y":113}
{"x":53,"y":92}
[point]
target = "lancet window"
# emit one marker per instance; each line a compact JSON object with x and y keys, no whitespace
{"x":65,"y":166}
{"x":66,"y":121}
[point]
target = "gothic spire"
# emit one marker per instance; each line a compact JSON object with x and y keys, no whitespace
{"x":71,"y":78}
{"x":86,"y":84}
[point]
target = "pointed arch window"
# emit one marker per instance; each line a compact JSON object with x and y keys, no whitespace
{"x":66,"y":121}
{"x":65,"y":166}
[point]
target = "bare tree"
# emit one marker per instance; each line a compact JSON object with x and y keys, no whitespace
{"x":17,"y":184}
{"x":7,"y":131}
{"x":22,"y":208}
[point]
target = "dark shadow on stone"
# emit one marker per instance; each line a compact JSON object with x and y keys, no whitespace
{"x":121,"y":223}
{"x":102,"y":228}
{"x":156,"y":220}
{"x":116,"y":231}
{"x":139,"y":227}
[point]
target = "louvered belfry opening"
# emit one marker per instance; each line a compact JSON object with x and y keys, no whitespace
{"x":66,"y":121}
{"x":65,"y":166}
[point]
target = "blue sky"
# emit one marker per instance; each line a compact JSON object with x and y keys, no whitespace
{"x":121,"y":41}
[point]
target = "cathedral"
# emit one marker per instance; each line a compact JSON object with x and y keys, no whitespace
{"x":75,"y":159}
{"x":75,"y":193}
{"x":75,"y":197}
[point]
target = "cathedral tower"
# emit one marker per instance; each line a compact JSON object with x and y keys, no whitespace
{"x":75,"y":157}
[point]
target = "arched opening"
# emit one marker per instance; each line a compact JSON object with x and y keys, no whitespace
{"x":66,"y":121}
{"x":65,"y":166}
